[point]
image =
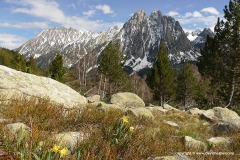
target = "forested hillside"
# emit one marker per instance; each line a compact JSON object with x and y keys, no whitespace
{"x":15,"y":60}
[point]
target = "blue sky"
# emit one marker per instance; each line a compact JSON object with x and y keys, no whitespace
{"x":21,"y":20}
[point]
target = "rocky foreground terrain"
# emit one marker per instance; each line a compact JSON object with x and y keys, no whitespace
{"x":214,"y":130}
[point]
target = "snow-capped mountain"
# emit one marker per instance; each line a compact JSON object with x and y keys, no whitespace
{"x":139,"y":39}
{"x":141,"y":36}
{"x":198,"y":37}
{"x":193,"y":35}
{"x":72,"y":43}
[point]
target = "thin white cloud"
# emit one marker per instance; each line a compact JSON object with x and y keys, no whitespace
{"x":25,"y":25}
{"x":51,"y":12}
{"x":211,"y":10}
{"x":106,"y":9}
{"x":196,"y":14}
{"x":89,"y":13}
{"x":191,"y":20}
{"x":172,"y":13}
{"x":10,"y":41}
{"x":192,"y":14}
{"x":188,"y":14}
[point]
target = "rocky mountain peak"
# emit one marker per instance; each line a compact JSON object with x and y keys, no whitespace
{"x":156,"y":14}
{"x":140,"y":40}
{"x":139,"y":14}
{"x":137,"y":18}
{"x":196,"y":32}
{"x":201,"y":37}
{"x":205,"y":32}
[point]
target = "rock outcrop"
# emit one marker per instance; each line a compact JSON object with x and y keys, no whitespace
{"x":141,"y":112}
{"x":219,"y":141}
{"x":195,"y":111}
{"x":157,"y":109}
{"x":16,"y":84}
{"x":168,"y":107}
{"x":170,"y":123}
{"x":70,"y":139}
{"x":193,"y":143}
{"x":127,"y":100}
{"x":11,"y":130}
{"x":94,"y":98}
{"x":220,"y":114}
{"x":226,"y":128}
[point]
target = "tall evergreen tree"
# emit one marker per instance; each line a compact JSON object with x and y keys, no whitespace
{"x":231,"y":63}
{"x":111,"y":66}
{"x":18,"y":62}
{"x":56,"y":68}
{"x":32,"y":65}
{"x":161,"y":80}
{"x":186,"y":86}
{"x":223,"y":54}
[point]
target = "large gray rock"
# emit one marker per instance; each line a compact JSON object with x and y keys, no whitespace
{"x":193,"y":143}
{"x":170,"y":123}
{"x":141,"y":112}
{"x":12,"y":130}
{"x":69,"y":139}
{"x":226,"y":128}
{"x":94,"y":98}
{"x":165,"y":158}
{"x":177,"y":157}
{"x":127,"y":100}
{"x":219,"y":141}
{"x":15,"y":84}
{"x":227,"y":121}
{"x":169,"y":108}
{"x":105,"y":107}
{"x":195,"y":111}
{"x":157,"y":109}
{"x":220,"y":114}
{"x":138,"y":112}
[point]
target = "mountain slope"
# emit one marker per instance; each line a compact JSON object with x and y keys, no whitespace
{"x":72,"y":43}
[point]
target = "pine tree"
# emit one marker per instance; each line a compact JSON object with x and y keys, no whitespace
{"x":19,"y":62}
{"x":32,"y":65}
{"x":210,"y":66}
{"x":231,"y":31}
{"x":56,"y":68}
{"x":186,"y":86}
{"x":111,"y":66}
{"x":223,"y":54}
{"x":161,"y":80}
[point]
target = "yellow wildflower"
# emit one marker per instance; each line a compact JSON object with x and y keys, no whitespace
{"x":124,"y":119}
{"x":63,"y":152}
{"x":55,"y":148}
{"x":131,"y":129}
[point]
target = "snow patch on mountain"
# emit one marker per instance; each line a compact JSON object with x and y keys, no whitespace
{"x":191,"y":37}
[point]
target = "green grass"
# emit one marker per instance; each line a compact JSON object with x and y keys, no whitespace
{"x":109,"y":137}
